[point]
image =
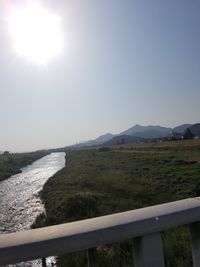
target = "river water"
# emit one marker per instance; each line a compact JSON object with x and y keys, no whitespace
{"x":19,"y":195}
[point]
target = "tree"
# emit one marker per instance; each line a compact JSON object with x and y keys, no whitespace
{"x":188,"y":134}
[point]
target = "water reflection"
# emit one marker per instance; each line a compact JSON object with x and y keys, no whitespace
{"x":19,"y":195}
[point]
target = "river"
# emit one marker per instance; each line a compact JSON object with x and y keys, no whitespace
{"x":19,"y":195}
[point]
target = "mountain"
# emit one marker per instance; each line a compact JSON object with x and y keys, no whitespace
{"x":134,"y":129}
{"x":95,"y":142}
{"x":99,"y":140}
{"x":151,"y":134}
{"x":157,"y":131}
{"x":195,"y":129}
{"x":123,"y":139}
{"x":181,"y":128}
{"x":138,"y":133}
{"x":103,"y":138}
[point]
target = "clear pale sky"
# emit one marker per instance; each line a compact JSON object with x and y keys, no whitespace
{"x":125,"y":62}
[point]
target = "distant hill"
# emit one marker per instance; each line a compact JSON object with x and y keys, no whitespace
{"x":95,"y":142}
{"x":138,"y":133}
{"x":103,"y":138}
{"x":195,"y":129}
{"x":123,"y":139}
{"x":151,"y":134}
{"x":99,"y":140}
{"x":181,"y":128}
{"x":134,"y":129}
{"x":137,"y":130}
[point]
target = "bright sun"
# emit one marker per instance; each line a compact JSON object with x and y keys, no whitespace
{"x":36,"y":32}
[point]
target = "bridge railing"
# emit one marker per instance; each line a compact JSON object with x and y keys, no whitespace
{"x":143,"y":226}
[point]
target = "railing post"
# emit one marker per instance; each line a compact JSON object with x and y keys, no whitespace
{"x":148,"y":251}
{"x":91,"y":257}
{"x":44,"y":263}
{"x":195,"y":243}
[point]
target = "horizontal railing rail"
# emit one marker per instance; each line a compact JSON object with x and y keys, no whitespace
{"x":145,"y":223}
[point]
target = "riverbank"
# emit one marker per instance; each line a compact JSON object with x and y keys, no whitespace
{"x":11,"y":164}
{"x":99,"y":182}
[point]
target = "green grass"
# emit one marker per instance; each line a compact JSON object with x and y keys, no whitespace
{"x":11,"y":164}
{"x":99,"y":182}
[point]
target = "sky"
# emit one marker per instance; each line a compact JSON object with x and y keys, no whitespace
{"x":124,"y":62}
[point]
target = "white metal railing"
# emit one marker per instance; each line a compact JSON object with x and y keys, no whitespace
{"x":142,"y":225}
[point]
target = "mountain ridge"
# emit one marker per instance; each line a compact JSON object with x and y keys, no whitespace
{"x":138,"y":133}
{"x":140,"y":128}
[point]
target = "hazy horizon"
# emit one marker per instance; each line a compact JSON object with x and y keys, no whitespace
{"x":122,"y":64}
{"x":94,"y":137}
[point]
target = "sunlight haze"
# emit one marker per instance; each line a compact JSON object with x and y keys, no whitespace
{"x":36,"y":33}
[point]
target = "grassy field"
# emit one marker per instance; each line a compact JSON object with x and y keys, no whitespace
{"x":104,"y":181}
{"x":12,"y":163}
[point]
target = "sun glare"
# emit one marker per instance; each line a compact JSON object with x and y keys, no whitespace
{"x":36,"y":32}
